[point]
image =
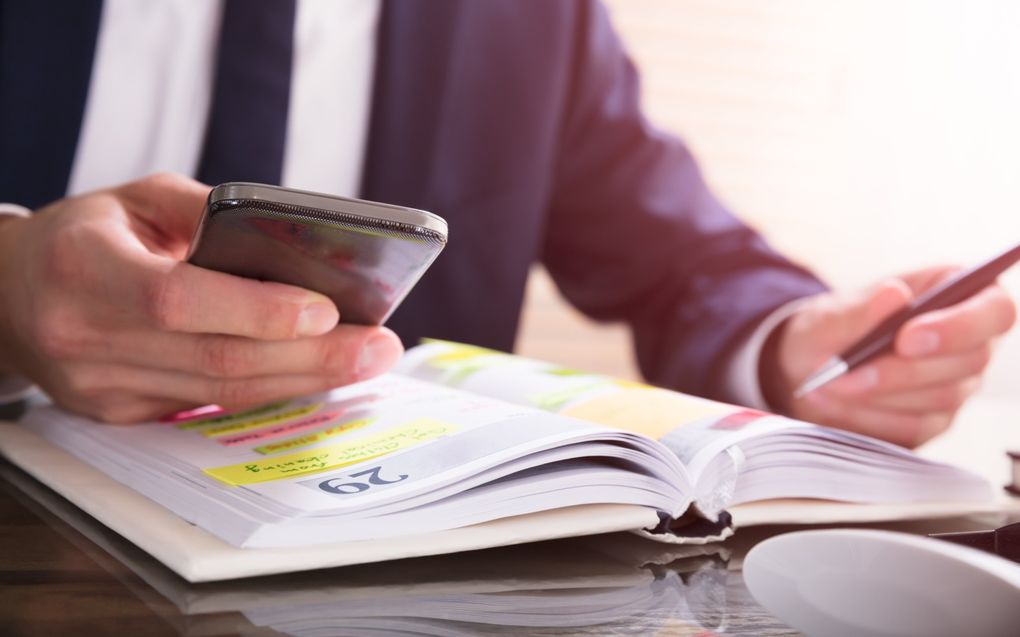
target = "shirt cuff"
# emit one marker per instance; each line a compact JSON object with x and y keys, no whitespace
{"x":741,"y":381}
{"x":15,"y":210}
{"x":12,"y":388}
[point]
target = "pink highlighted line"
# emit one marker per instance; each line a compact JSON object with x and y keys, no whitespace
{"x":279,"y":430}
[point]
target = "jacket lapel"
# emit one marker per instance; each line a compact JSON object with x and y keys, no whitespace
{"x":46,"y":52}
{"x":414,"y":45}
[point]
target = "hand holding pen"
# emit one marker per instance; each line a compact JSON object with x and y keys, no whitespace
{"x":897,"y":361}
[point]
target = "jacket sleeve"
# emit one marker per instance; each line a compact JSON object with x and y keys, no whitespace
{"x":634,"y":234}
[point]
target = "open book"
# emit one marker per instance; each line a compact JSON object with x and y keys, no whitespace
{"x":611,"y":584}
{"x":461,"y":435}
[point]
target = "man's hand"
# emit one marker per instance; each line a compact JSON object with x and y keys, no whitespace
{"x":909,"y":395}
{"x":98,"y":308}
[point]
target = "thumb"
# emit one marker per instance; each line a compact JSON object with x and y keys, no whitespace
{"x":865,"y":310}
{"x":885,"y":299}
{"x":826,"y":326}
{"x":168,"y":204}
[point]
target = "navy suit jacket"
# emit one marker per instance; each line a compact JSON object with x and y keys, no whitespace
{"x":519,"y":122}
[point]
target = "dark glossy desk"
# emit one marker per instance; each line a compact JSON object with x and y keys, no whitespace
{"x":64,"y":574}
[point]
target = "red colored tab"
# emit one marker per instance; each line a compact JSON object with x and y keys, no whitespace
{"x":738,"y":420}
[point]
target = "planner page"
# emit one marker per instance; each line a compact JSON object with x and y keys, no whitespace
{"x":733,"y":454}
{"x":386,"y":457}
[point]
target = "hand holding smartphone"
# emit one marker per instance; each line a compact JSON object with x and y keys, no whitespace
{"x":363,"y":255}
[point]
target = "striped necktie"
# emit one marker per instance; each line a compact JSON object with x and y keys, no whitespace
{"x":247,"y":125}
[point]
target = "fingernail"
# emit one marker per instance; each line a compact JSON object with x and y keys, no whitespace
{"x":315,"y":319}
{"x":378,"y":355}
{"x":920,"y":343}
{"x":193,"y":414}
{"x":860,"y":380}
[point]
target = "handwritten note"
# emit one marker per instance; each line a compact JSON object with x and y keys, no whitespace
{"x":335,"y":456}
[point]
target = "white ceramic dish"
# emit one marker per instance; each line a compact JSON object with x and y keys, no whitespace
{"x":858,"y":582}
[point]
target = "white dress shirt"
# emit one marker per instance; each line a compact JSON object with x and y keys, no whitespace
{"x":149,"y":98}
{"x":151,"y":87}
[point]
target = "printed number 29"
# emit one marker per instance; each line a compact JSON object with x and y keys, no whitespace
{"x":335,"y":485}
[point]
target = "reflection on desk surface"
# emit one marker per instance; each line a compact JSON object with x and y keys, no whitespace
{"x":609,"y":584}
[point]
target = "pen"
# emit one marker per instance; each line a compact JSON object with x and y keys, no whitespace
{"x":880,"y":340}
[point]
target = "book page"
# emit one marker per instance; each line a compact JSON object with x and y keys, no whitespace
{"x":732,"y":453}
{"x":387,"y":456}
{"x":690,"y":426}
{"x":615,"y":403}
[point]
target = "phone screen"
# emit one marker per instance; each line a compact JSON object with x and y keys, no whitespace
{"x":365,"y":266}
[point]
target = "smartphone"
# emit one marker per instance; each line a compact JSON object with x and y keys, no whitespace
{"x":363,"y":255}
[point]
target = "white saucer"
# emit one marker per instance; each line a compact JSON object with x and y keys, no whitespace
{"x":865,"y":582}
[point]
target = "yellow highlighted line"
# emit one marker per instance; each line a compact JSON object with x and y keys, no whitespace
{"x":291,"y":444}
{"x":258,"y":423}
{"x":335,"y":456}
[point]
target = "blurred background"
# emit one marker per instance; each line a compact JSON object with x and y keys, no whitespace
{"x":862,"y":138}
